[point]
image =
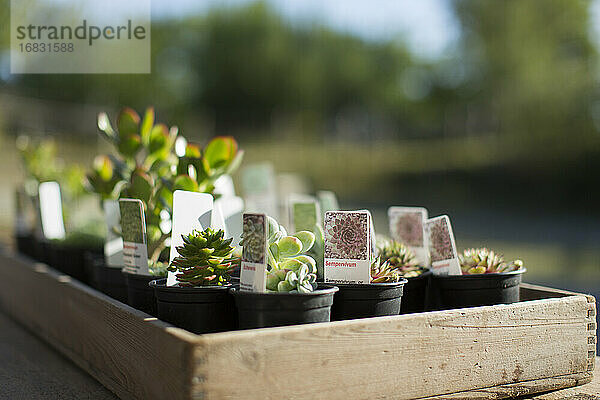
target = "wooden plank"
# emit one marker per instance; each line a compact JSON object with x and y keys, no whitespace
{"x":128,"y":351}
{"x":590,"y":391}
{"x":499,"y":351}
{"x":402,"y":357}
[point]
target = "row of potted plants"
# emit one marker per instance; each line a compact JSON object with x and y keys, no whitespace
{"x":405,"y":274}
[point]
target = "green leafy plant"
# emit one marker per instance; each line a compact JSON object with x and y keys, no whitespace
{"x":486,"y":261}
{"x":146,"y":167}
{"x":205,"y":259}
{"x":289,"y":268}
{"x":400,"y":258}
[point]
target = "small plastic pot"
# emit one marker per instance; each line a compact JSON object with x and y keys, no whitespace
{"x":139,"y":294}
{"x":70,"y":260}
{"x":414,"y":297}
{"x":110,"y":281}
{"x":203,"y":309}
{"x":25,"y":244}
{"x":367,"y":300}
{"x":261,"y":310}
{"x":458,"y":291}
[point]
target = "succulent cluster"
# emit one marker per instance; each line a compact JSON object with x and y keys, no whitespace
{"x":384,"y":272}
{"x":400,"y":258}
{"x":205,"y":259}
{"x":485,"y":261}
{"x":289,"y":270}
{"x":147,"y":167}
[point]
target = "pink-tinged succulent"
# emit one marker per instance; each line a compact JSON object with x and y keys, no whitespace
{"x":486,"y":261}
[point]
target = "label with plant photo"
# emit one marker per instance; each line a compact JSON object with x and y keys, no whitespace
{"x":348,"y":246}
{"x":304,"y":213}
{"x":407,"y":226}
{"x":442,"y":248}
{"x":133,"y":231}
{"x":254,"y":253}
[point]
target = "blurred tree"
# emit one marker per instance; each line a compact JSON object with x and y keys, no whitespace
{"x":531,"y":68}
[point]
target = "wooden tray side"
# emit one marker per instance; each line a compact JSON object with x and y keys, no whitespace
{"x":130,"y":352}
{"x":407,"y":356}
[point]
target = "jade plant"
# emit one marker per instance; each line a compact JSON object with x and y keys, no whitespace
{"x":289,"y":268}
{"x":205,"y":259}
{"x":400,"y":258}
{"x":145,"y":166}
{"x":486,"y":261}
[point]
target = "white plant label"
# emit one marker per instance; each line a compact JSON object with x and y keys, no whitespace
{"x":191,"y":211}
{"x":224,"y":186}
{"x":327,"y":201}
{"x":260,"y":189}
{"x":348,"y":246}
{"x":305,"y":213}
{"x":53,"y":226}
{"x":254,"y":253}
{"x":407,"y":226}
{"x":113,"y":247}
{"x":133,"y":230}
{"x":442,"y":247}
{"x":232,"y":209}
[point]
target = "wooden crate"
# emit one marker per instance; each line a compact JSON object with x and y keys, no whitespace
{"x":546,"y":342}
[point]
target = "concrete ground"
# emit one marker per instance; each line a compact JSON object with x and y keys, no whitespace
{"x":32,"y":370}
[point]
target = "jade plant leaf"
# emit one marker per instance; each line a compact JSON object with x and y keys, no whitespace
{"x":128,"y":123}
{"x":185,"y":182}
{"x":130,"y":145}
{"x":147,"y":124}
{"x":220,"y":151}
{"x":141,"y":185}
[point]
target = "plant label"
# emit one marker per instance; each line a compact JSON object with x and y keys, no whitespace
{"x":305,"y":213}
{"x":232,"y":209}
{"x":348,"y":246}
{"x":254,"y":253}
{"x":113,"y":247}
{"x":407,"y":226}
{"x":191,"y":211}
{"x":327,"y":201}
{"x":51,"y":215}
{"x":442,"y":248}
{"x":224,"y":186}
{"x":133,"y":231}
{"x":259,"y":185}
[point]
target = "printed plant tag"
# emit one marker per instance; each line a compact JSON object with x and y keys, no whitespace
{"x":259,"y":185}
{"x":407,"y":226}
{"x":51,"y":216}
{"x":304,"y":213}
{"x":348,"y":246}
{"x":133,"y":230}
{"x":327,"y":201}
{"x":232,"y":209}
{"x":254,"y":253}
{"x":113,"y":247}
{"x":191,"y":211}
{"x":444,"y":258}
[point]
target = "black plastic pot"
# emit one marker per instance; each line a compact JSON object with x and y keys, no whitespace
{"x":202,"y":309}
{"x":110,"y":281}
{"x":261,"y":310}
{"x":139,"y":294}
{"x":367,"y":300}
{"x":457,"y":291}
{"x":70,"y":260}
{"x":25,"y":244}
{"x":414,"y":297}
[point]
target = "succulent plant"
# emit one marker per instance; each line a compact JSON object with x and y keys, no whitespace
{"x":146,"y":167}
{"x":289,"y":270}
{"x":485,"y":261}
{"x":205,"y":259}
{"x":384,"y":272}
{"x":400,"y":258}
